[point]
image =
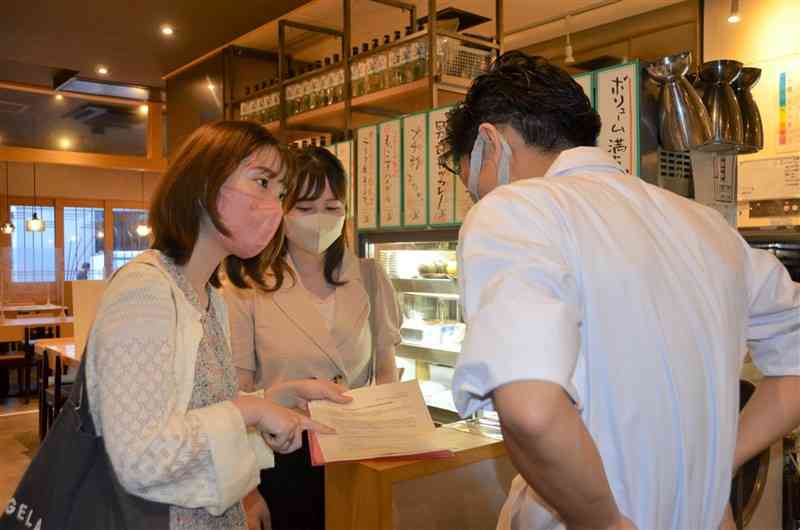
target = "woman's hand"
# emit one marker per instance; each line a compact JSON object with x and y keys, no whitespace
{"x":257,"y":512}
{"x":281,"y":428}
{"x":297,"y":394}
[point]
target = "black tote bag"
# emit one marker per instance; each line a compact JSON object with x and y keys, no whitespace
{"x":71,"y":485}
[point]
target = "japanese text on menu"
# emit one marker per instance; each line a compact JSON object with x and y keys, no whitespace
{"x":442,"y":186}
{"x":390,"y":174}
{"x":414,"y":129}
{"x":618,"y":146}
{"x":366,"y":178}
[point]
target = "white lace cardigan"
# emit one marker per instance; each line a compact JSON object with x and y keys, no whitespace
{"x":140,"y":373}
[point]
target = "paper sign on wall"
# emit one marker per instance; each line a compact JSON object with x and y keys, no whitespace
{"x":441,"y":184}
{"x":586,"y":81}
{"x":789,"y":110}
{"x":769,"y":178}
{"x":390,"y":174}
{"x":415,"y":170}
{"x":618,"y":106}
{"x":344,"y":152}
{"x":366,"y":176}
{"x":463,"y":201}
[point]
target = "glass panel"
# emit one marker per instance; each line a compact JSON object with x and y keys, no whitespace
{"x":84,"y":258}
{"x":66,"y":123}
{"x":424,"y":276}
{"x":33,"y":254}
{"x":127,"y":242}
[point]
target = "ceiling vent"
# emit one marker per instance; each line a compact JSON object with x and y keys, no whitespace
{"x":99,"y":117}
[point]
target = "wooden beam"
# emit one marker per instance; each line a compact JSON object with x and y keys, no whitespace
{"x":47,"y":156}
{"x":155,"y":124}
{"x":47,"y":91}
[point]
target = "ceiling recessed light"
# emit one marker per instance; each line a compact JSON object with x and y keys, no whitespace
{"x":143,"y":109}
{"x":59,"y":97}
{"x":102,"y":70}
{"x":167,"y":30}
{"x":64,"y":142}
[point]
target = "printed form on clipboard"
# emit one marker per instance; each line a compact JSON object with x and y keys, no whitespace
{"x":385,"y":421}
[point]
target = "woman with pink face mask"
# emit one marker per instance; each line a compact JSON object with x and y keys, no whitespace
{"x":160,"y":377}
{"x":326,"y":315}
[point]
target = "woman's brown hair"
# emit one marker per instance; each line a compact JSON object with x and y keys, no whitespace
{"x":191,"y":185}
{"x":313,"y":167}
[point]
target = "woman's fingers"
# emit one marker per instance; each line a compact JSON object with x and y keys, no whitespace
{"x":310,"y":425}
{"x":318,"y":389}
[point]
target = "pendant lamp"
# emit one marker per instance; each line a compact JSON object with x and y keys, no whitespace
{"x":142,"y":230}
{"x":34,"y":224}
{"x":8,"y":227}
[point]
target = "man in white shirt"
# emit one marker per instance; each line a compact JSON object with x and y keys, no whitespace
{"x":608,"y":319}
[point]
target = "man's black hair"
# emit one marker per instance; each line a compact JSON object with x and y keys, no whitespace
{"x":539,"y":100}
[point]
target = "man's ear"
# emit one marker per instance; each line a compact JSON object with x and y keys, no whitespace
{"x":494,"y":146}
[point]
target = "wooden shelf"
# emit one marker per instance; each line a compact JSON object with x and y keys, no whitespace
{"x":371,"y":109}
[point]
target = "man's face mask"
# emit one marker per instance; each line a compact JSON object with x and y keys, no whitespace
{"x":476,"y":163}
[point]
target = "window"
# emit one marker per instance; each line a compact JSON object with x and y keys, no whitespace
{"x":33,"y":254}
{"x":128,"y":243}
{"x":84,"y":258}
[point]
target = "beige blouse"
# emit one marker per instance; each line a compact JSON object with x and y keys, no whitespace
{"x":282,"y":335}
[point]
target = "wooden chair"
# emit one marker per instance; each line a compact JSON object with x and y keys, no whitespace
{"x":53,"y":392}
{"x":14,"y":356}
{"x":21,"y":362}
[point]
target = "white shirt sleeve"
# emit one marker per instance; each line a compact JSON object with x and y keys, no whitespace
{"x":520,"y":299}
{"x":774,"y":330}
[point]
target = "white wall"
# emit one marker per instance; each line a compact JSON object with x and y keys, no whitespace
{"x":768,"y":37}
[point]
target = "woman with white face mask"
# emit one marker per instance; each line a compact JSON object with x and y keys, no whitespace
{"x":327,"y":315}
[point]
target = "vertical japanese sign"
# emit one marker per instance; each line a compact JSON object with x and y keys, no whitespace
{"x":463,"y":201}
{"x":390,"y":174}
{"x":586,"y":81}
{"x":415,"y":170}
{"x":441,"y":183}
{"x":344,"y":152}
{"x":366,"y":176}
{"x":618,"y":106}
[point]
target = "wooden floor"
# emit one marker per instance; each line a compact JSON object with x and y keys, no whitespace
{"x":19,"y":438}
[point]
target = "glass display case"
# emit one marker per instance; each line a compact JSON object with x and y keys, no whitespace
{"x":423,"y":270}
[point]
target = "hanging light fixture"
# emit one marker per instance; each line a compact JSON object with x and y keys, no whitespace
{"x":8,"y":227}
{"x":34,"y":224}
{"x":568,"y":57}
{"x":142,"y":230}
{"x":735,"y":16}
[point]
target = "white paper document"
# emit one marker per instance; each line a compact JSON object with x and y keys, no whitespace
{"x":381,"y":421}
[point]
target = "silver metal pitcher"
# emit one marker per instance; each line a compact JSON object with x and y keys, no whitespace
{"x":753,"y":128}
{"x":723,"y":107}
{"x":684,"y":123}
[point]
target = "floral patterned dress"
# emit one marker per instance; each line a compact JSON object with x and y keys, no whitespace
{"x":215,"y":380}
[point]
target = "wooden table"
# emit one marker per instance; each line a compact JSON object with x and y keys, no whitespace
{"x":63,"y":348}
{"x":55,"y":353}
{"x":36,"y":322}
{"x":32,"y":308}
{"x":464,"y":492}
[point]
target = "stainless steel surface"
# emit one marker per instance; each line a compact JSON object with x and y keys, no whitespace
{"x":684,"y":123}
{"x":723,"y":107}
{"x":428,"y":354}
{"x":753,"y":128}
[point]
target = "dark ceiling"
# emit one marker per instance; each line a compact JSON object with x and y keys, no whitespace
{"x":121,"y":34}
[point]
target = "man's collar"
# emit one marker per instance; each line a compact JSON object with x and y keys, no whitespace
{"x":580,"y":158}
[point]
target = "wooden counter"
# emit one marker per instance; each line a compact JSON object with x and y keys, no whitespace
{"x":464,"y":492}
